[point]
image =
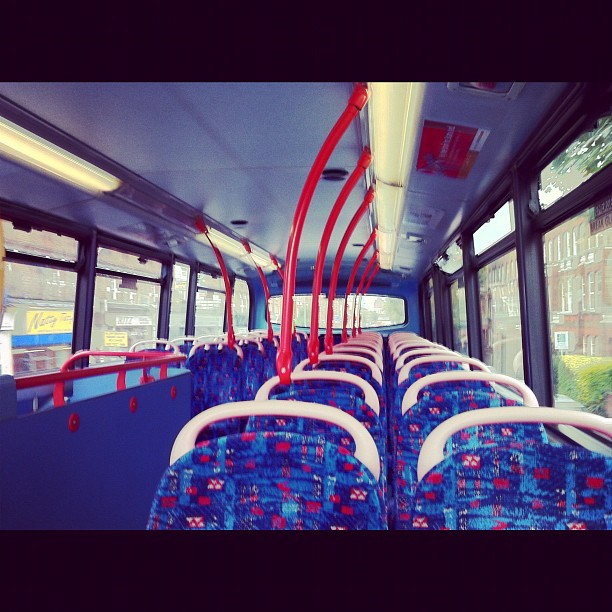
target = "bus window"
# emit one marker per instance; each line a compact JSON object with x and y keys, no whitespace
{"x":580,"y":314}
{"x":126,"y":300}
{"x":498,"y":227}
{"x":240,"y":306}
{"x":500,"y":316}
{"x":178,"y":302}
{"x":36,"y":330}
{"x":459,"y":308}
{"x":586,"y":156}
{"x":376,"y":311}
{"x":209,"y":306}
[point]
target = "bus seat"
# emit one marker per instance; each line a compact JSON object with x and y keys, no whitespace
{"x":347,"y":392}
{"x":441,"y":396}
{"x":270,"y":480}
{"x":217,"y":378}
{"x":523,"y":485}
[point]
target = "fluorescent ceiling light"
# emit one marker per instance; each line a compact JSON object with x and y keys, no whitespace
{"x":394,"y":111}
{"x":27,"y":148}
{"x":236,"y":249}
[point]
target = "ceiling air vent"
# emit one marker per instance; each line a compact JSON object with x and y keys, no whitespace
{"x":501,"y":91}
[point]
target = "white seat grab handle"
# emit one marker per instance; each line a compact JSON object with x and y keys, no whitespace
{"x":365,"y":448}
{"x":424,"y":352}
{"x":432,"y":451}
{"x":450,"y":357}
{"x":371,"y":397}
{"x":376,"y":373}
{"x":412,"y":393}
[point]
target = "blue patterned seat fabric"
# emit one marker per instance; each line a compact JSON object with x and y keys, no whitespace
{"x":217,"y":378}
{"x":267,"y":481}
{"x":436,"y":404}
{"x":337,"y":394}
{"x":520,"y":486}
{"x":270,"y":359}
{"x":365,"y":373}
{"x":299,"y":349}
{"x":254,"y":370}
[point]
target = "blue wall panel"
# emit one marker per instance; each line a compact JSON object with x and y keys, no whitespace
{"x":104,"y":475}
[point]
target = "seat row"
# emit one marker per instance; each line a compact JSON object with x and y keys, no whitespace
{"x":260,"y":469}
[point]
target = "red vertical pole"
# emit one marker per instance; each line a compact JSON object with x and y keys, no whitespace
{"x":356,"y":102}
{"x":333,"y":281}
{"x":313,"y":341}
{"x":367,"y":287}
{"x":349,"y":285}
{"x":262,"y":277}
{"x":231,"y":340}
{"x":360,"y":287}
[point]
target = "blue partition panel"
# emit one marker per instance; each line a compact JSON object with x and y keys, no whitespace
{"x":103,"y":475}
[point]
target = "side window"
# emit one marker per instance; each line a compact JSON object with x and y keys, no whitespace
{"x":178,"y":301}
{"x":500,"y":318}
{"x":39,"y":298}
{"x":126,"y":300}
{"x":240,"y":306}
{"x":210,"y":306}
{"x":581,"y":319}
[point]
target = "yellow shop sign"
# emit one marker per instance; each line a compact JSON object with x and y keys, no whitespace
{"x":49,"y":321}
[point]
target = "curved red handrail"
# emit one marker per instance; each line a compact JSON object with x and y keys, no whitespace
{"x":367,"y":287}
{"x":360,"y":287}
{"x":333,"y":281}
{"x":356,"y":102}
{"x":144,"y":360}
{"x":313,"y":341}
{"x":349,"y":285}
{"x":278,"y":267}
{"x":231,"y":339}
{"x":262,"y":276}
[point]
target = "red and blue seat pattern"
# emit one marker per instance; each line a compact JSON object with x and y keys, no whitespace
{"x":268,"y":481}
{"x":437,"y":403}
{"x":217,"y":378}
{"x":522,"y":485}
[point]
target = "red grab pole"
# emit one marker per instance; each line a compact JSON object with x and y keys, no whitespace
{"x":313,"y":341}
{"x":247,"y":248}
{"x":360,"y":287}
{"x":349,"y":285}
{"x":333,"y":281}
{"x":231,"y":340}
{"x":356,"y":102}
{"x":367,"y":287}
{"x":278,"y":266}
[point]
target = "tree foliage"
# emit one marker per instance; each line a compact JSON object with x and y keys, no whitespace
{"x":589,"y":153}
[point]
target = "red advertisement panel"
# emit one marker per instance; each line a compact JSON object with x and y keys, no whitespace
{"x":449,"y":150}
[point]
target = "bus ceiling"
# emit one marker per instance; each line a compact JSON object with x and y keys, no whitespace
{"x":141,"y":162}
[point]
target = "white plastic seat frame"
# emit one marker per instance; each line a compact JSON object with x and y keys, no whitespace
{"x":257,"y":341}
{"x":360,"y":350}
{"x":167,"y":344}
{"x":376,"y":373}
{"x":397,"y":337}
{"x":207,"y":344}
{"x":365,"y":447}
{"x":182,"y":339}
{"x":412,"y":393}
{"x":401,"y":360}
{"x":370,"y":395}
{"x":372,"y":343}
{"x":451,"y":358}
{"x":402,"y":347}
{"x":432,"y":450}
